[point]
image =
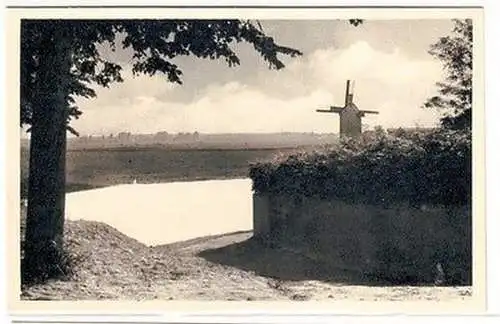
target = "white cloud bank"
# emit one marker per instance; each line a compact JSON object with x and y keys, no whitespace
{"x":391,"y":83}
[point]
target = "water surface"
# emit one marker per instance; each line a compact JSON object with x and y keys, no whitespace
{"x":168,"y":212}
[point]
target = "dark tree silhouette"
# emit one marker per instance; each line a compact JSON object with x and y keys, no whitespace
{"x":455,"y":92}
{"x":60,"y":60}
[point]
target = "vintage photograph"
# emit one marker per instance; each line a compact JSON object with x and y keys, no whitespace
{"x":247,"y":159}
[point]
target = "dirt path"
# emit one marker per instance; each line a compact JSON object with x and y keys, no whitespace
{"x":225,"y":267}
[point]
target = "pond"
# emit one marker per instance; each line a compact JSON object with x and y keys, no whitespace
{"x":163,"y":213}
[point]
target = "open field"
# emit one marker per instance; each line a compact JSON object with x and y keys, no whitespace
{"x":94,"y":168}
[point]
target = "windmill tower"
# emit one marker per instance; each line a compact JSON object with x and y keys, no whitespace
{"x":350,"y":115}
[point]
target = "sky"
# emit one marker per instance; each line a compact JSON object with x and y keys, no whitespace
{"x":389,"y":61}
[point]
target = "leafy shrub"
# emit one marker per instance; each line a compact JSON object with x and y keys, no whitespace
{"x":379,"y":168}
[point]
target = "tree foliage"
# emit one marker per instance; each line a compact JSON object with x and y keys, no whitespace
{"x":455,"y":92}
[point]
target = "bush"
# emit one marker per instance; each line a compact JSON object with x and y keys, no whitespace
{"x":379,"y":168}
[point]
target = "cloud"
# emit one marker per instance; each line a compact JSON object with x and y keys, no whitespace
{"x":392,"y":83}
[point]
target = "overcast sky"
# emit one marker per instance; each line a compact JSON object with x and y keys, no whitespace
{"x":388,"y":60}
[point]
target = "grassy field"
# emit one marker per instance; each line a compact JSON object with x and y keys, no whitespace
{"x":94,"y":168}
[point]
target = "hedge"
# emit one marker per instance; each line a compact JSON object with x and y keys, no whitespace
{"x":381,"y":168}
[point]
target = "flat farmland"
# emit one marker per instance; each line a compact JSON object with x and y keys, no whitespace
{"x":93,"y":168}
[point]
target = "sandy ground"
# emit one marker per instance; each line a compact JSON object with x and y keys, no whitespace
{"x":167,"y":212}
{"x":228,"y":267}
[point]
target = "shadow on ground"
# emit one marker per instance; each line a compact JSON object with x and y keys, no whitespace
{"x":283,"y":264}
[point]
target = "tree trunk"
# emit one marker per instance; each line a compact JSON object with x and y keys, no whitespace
{"x":46,"y":192}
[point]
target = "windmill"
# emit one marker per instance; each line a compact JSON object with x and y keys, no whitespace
{"x":350,"y":115}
